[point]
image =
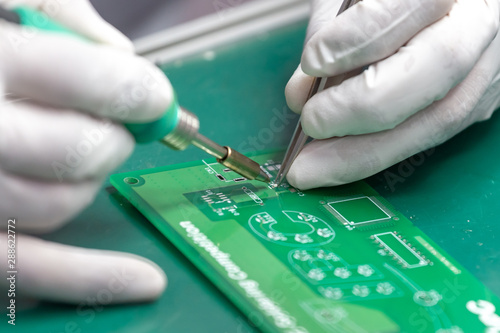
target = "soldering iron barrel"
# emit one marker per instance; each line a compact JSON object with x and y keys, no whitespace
{"x":185,"y":131}
{"x":241,"y":164}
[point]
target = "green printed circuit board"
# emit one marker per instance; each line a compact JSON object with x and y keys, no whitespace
{"x":336,"y":259}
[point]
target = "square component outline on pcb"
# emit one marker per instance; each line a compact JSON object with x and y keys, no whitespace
{"x":345,"y":221}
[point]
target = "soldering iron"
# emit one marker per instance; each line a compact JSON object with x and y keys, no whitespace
{"x":177,"y":128}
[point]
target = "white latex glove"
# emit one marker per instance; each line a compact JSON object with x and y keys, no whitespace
{"x":434,"y":70}
{"x":63,"y":101}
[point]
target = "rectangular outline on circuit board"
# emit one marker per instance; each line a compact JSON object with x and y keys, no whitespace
{"x":373,"y":200}
{"x":388,"y":248}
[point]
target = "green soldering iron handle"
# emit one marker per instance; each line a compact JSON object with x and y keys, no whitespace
{"x":158,"y":129}
{"x":31,"y":18}
{"x":144,"y":132}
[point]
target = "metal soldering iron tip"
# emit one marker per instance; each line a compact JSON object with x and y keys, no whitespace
{"x":263,"y":177}
{"x":243,"y":165}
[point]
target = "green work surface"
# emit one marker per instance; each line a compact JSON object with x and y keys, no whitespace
{"x":338,"y":259}
{"x":451,"y":193}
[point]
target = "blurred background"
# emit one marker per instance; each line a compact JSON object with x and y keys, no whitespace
{"x":138,"y":18}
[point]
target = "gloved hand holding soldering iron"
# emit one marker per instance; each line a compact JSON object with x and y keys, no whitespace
{"x":64,"y":100}
{"x":432,"y":70}
{"x":74,"y":95}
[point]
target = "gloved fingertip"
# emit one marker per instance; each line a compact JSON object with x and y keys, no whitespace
{"x":317,"y":119}
{"x":69,"y":274}
{"x":330,"y":162}
{"x":300,"y":176}
{"x":293,"y":99}
{"x":150,"y":284}
{"x":293,"y":179}
{"x":130,"y":277}
{"x":317,"y":58}
{"x":296,"y":90}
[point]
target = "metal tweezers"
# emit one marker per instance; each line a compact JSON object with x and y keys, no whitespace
{"x":299,"y":138}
